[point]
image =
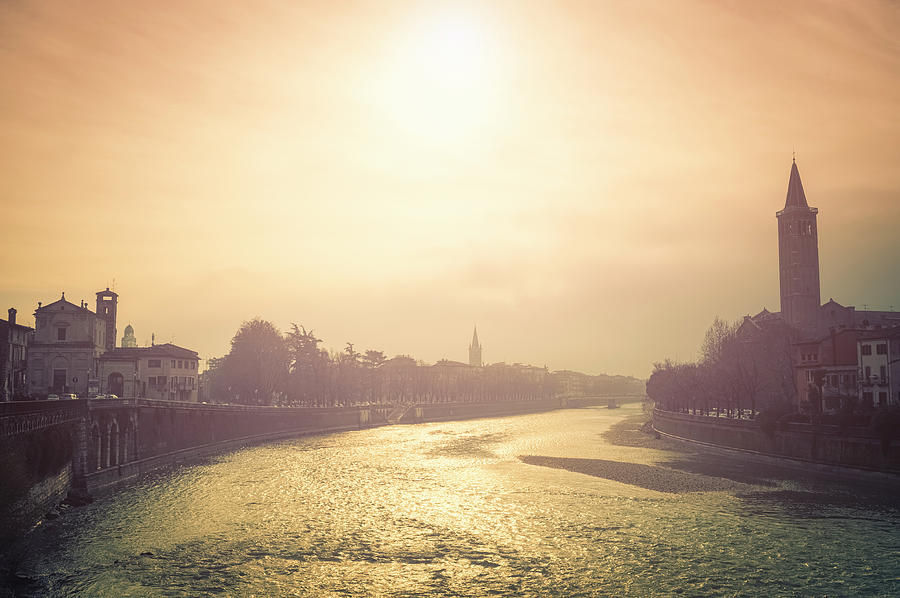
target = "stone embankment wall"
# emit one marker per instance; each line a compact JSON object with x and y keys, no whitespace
{"x":50,"y":448}
{"x":827,"y":445}
{"x":160,"y":433}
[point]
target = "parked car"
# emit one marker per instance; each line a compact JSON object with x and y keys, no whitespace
{"x":68,"y":395}
{"x":52,"y":397}
{"x":106,"y":397}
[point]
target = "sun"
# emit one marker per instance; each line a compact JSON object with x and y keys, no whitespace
{"x":440,"y":78}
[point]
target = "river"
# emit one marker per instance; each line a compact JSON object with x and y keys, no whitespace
{"x":574,"y":502}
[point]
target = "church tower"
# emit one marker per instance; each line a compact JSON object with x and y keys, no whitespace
{"x":106,"y":308}
{"x":798,"y":258}
{"x":475,"y":351}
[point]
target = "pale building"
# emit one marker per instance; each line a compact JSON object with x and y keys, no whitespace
{"x":166,"y":372}
{"x":878,"y":355}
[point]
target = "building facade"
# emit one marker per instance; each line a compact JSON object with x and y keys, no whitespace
{"x":14,"y":339}
{"x":166,"y":372}
{"x":64,"y":354}
{"x":878,"y":355}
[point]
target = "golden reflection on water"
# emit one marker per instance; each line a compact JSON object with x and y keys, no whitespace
{"x":450,"y":509}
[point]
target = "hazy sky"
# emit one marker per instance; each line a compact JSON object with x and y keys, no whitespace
{"x":588,"y":182}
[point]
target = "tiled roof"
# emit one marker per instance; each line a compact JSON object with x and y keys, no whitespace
{"x":65,"y":303}
{"x":163,"y":350}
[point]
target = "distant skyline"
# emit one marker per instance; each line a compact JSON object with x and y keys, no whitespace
{"x":589,"y":183}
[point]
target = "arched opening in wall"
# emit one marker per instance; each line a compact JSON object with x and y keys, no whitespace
{"x":113,"y":442}
{"x":116,"y":384}
{"x":94,"y":455}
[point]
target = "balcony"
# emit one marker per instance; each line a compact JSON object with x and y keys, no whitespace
{"x":875,"y":381}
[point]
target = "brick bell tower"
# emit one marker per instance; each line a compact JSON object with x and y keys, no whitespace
{"x":106,"y":308}
{"x":798,"y":258}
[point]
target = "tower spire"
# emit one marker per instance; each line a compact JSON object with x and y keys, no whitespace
{"x":798,"y":258}
{"x":475,"y":350}
{"x":796,"y":198}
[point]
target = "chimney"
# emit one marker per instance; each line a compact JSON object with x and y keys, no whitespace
{"x":12,"y":315}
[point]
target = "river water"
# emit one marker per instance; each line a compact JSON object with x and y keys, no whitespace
{"x":567,"y":503}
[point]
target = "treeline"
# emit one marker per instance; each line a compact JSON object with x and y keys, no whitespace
{"x":266,"y":367}
{"x":742,"y":369}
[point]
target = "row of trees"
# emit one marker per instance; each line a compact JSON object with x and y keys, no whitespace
{"x":266,"y":367}
{"x":742,"y":369}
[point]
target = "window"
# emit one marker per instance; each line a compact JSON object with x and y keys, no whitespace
{"x":867,"y":397}
{"x":882,"y":398}
{"x":882,"y":373}
{"x":868,"y":372}
{"x":866,"y":349}
{"x":173,"y":363}
{"x":180,"y":366}
{"x":60,"y":334}
{"x":834,"y":380}
{"x":881,"y":349}
{"x":153,"y":363}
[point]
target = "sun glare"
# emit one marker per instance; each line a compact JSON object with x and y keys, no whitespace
{"x":440,"y":77}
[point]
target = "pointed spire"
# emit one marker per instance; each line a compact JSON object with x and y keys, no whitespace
{"x":475,"y":337}
{"x":796,"y":198}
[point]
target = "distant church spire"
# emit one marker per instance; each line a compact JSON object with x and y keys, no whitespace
{"x":798,"y":257}
{"x":475,"y":350}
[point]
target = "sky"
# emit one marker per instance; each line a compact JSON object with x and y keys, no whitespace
{"x":590,"y":183}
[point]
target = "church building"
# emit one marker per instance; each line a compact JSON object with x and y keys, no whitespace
{"x":824,"y":336}
{"x":64,"y":354}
